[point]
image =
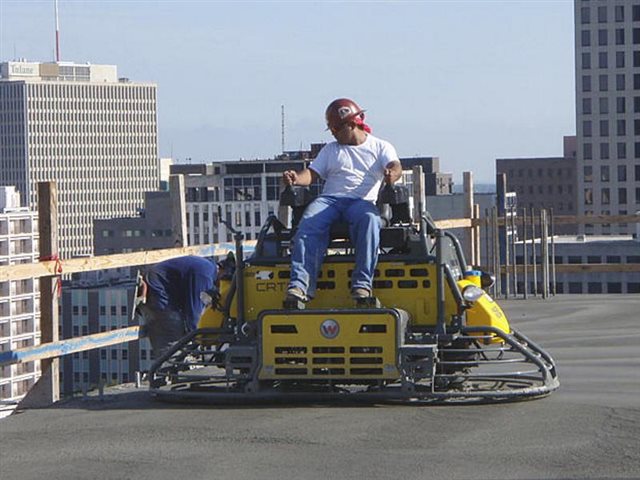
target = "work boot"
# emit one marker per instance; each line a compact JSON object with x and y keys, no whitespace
{"x":295,"y":299}
{"x":358,"y":293}
{"x":295,"y":294}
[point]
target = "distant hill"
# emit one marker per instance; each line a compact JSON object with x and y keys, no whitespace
{"x":477,"y":188}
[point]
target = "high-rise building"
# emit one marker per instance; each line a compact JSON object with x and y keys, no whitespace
{"x":544,"y":182}
{"x":19,"y":299}
{"x":80,"y":125}
{"x":607,"y":50}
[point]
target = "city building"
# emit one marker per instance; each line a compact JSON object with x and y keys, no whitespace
{"x":607,"y":70}
{"x":94,"y":302}
{"x":444,"y":207}
{"x":151,"y":229}
{"x":81,"y":126}
{"x":589,"y":249}
{"x":246,"y":192}
{"x":545,"y":182}
{"x":19,"y":299}
{"x":435,"y":181}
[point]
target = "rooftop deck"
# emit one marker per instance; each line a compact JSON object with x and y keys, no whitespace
{"x":589,"y":428}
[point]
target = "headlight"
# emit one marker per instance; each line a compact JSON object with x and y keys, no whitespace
{"x":471,"y":293}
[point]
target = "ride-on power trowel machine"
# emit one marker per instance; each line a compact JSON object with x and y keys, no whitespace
{"x":430,"y":332}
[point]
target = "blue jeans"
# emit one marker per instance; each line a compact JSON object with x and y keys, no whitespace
{"x":312,"y":240}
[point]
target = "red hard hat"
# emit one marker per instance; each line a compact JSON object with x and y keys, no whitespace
{"x":341,"y":111}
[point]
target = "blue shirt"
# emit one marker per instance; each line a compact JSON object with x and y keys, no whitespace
{"x":176,"y":284}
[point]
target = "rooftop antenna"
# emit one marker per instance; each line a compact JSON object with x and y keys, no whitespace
{"x":55,"y":2}
{"x":282,"y":116}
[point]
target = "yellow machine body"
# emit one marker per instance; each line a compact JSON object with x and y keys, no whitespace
{"x":213,"y":317}
{"x":343,"y":344}
{"x":410,"y":287}
{"x":485,"y":312}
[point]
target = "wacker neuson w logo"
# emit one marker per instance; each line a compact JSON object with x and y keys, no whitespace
{"x":329,"y":328}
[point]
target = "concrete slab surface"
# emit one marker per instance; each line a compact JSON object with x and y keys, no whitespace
{"x":588,"y":429}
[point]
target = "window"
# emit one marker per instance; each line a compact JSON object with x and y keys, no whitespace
{"x":594,"y":287}
{"x":586,"y":82}
{"x":604,"y":105}
{"x":114,"y":310}
{"x":636,"y":81}
{"x":636,"y":59}
{"x":620,"y":81}
{"x":602,"y":60}
{"x":603,"y":83}
{"x":614,"y":259}
{"x":636,"y":150}
{"x":602,"y":37}
{"x":585,"y":15}
{"x":575,"y":287}
{"x":605,"y":197}
{"x":618,"y":12}
{"x":585,"y":38}
{"x":622,"y":173}
{"x":621,"y":128}
{"x":114,"y":354}
{"x":636,"y":36}
{"x":635,"y":13}
{"x":586,"y":128}
{"x":619,"y":36}
{"x":614,"y":287}
{"x":588,"y":173}
{"x":586,"y":61}
{"x":586,"y":106}
{"x":604,"y":151}
{"x":633,"y":287}
{"x":622,"y":196}
{"x":604,"y":128}
{"x":588,"y":197}
{"x":621,"y":105}
{"x":621,"y":150}
{"x":604,"y":173}
{"x":587,"y":152}
{"x":619,"y":59}
{"x":602,"y":14}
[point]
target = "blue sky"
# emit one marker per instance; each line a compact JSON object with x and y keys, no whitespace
{"x":467,"y":81}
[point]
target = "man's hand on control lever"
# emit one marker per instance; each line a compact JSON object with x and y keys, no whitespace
{"x":289,"y":177}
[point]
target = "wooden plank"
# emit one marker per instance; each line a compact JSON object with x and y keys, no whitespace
{"x":47,"y":389}
{"x":86,"y":264}
{"x":469,"y":246}
{"x":70,"y":345}
{"x":454,"y":223}
{"x":588,"y":268}
{"x":594,"y":219}
{"x":178,"y":210}
{"x":419,"y":205}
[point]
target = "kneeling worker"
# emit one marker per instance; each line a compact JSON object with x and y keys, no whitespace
{"x":172,"y":291}
{"x":353,"y":168}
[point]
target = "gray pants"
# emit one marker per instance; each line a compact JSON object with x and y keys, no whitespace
{"x":164,"y":327}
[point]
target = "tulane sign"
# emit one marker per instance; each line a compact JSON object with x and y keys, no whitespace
{"x":24,"y":69}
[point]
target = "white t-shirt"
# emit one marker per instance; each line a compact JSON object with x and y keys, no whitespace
{"x":354,"y":171}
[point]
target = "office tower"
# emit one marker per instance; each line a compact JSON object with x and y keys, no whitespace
{"x":544,"y":183}
{"x":607,"y":48}
{"x":19,"y":299}
{"x":83,"y":127}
